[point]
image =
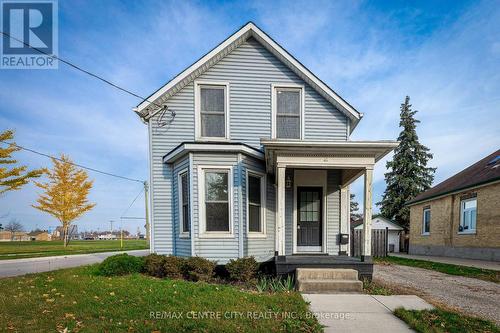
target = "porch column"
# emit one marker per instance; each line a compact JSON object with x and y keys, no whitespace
{"x":344,"y":218}
{"x":367,"y":216}
{"x":280,"y":212}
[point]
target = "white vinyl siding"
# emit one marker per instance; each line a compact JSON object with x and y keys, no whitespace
{"x":468,"y":214}
{"x":426,"y":221}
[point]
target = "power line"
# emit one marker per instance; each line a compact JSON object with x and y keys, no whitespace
{"x":75,"y":164}
{"x":143,"y":99}
{"x":126,"y":210}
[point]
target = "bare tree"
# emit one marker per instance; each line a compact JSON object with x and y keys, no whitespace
{"x":13,"y":226}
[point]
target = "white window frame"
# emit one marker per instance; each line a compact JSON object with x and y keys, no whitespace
{"x":203,"y":233}
{"x":287,"y":86}
{"x":197,"y":106}
{"x":183,"y":233}
{"x":426,"y":233}
{"x":263,"y":184}
{"x":462,"y":203}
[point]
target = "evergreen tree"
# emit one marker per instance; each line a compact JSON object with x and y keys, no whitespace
{"x":408,"y":173}
{"x":354,"y":208}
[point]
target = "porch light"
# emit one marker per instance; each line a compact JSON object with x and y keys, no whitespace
{"x":288,"y":181}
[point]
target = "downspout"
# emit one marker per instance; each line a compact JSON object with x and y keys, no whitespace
{"x":240,"y":207}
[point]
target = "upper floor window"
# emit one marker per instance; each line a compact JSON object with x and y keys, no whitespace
{"x":288,"y":110}
{"x":184,"y":203}
{"x":212,"y":110}
{"x":255,"y":204}
{"x":426,"y":221}
{"x":468,"y":212}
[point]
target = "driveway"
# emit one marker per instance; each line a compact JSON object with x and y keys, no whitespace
{"x":467,"y":295}
{"x":484,"y":264}
{"x":362,"y":313}
{"x":17,"y":267}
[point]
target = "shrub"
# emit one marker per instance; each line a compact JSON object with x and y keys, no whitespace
{"x":242,"y":269}
{"x":120,"y":264}
{"x":154,"y":265}
{"x":198,"y":269}
{"x":173,"y":267}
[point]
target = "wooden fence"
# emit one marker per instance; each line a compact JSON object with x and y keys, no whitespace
{"x":379,"y":242}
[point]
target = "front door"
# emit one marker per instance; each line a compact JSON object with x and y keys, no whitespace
{"x":309,"y":219}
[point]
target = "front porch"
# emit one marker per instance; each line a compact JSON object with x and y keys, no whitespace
{"x":288,"y":264}
{"x":312,"y":201}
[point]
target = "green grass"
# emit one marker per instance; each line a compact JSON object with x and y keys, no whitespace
{"x":30,"y":249}
{"x":440,"y":321}
{"x":472,"y":272}
{"x":79,"y":300}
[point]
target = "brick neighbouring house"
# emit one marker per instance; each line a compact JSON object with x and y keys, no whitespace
{"x":460,"y":217}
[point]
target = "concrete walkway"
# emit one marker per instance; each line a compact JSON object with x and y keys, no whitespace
{"x":484,"y":264}
{"x":362,"y":313}
{"x":15,"y":267}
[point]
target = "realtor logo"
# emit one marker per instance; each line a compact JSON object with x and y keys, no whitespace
{"x":30,"y":37}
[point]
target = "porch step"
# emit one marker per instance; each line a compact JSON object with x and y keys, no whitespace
{"x":329,"y":286}
{"x":326,"y":274}
{"x":328,"y":280}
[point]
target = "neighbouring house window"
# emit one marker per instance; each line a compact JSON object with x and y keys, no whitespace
{"x":426,"y":223}
{"x":255,"y":199}
{"x":288,"y":113}
{"x":468,"y":212}
{"x":184,"y":202}
{"x":212,"y":106}
{"x":217,"y":201}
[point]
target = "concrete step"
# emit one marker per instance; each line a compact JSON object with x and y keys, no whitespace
{"x":329,"y":286}
{"x":326,"y":274}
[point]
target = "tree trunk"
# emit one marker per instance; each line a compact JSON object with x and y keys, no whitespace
{"x":65,"y":228}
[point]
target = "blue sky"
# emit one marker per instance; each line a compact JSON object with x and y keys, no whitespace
{"x":444,"y":54}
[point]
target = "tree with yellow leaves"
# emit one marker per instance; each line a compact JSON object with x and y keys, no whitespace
{"x":16,"y":177}
{"x":65,"y":193}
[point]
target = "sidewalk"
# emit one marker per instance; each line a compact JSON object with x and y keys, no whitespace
{"x":491,"y":265}
{"x":15,"y":267}
{"x":362,"y":313}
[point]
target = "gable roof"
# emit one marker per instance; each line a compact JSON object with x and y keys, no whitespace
{"x":483,"y":172}
{"x":359,"y":224}
{"x":224,"y":48}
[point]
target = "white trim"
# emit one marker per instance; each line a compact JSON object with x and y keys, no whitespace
{"x":151,"y":195}
{"x":426,"y":233}
{"x":191,"y":201}
{"x":470,"y":231}
{"x":240,"y":207}
{"x":246,"y":31}
{"x":201,"y":201}
{"x":324,"y":226}
{"x":180,"y":203}
{"x":262,"y":233}
{"x":197,"y":106}
{"x":290,"y":86}
{"x":185,"y":148}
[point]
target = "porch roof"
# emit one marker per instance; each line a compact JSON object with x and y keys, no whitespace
{"x":325,"y":154}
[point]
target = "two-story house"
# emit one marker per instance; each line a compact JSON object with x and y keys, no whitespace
{"x":250,"y":156}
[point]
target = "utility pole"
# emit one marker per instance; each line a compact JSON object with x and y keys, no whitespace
{"x":111,"y":222}
{"x":146,"y":205}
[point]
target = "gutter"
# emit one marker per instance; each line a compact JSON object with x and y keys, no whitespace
{"x":454,"y":191}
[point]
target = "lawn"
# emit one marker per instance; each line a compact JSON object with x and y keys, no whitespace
{"x":472,"y":272}
{"x":440,"y":321}
{"x":30,"y":249}
{"x":80,"y":301}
